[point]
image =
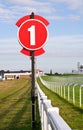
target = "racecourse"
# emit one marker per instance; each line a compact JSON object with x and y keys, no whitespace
{"x":15,"y":105}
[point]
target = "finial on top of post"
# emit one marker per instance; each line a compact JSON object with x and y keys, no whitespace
{"x":32,"y":15}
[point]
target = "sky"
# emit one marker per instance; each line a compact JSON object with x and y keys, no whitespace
{"x":64,"y":47}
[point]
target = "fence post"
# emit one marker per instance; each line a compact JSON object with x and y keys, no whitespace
{"x":42,"y":111}
{"x":46,"y":104}
{"x":80,"y":94}
{"x":61,"y":90}
{"x":69,"y":90}
{"x":64,"y":91}
{"x":74,"y":93}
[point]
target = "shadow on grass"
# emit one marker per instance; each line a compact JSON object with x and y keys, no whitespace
{"x":17,"y":116}
{"x":22,"y":119}
{"x":15,"y":123}
{"x":11,"y":94}
{"x":12,"y":106}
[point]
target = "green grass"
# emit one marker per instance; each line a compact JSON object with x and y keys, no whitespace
{"x":15,"y":105}
{"x":67,"y":80}
{"x":71,"y":114}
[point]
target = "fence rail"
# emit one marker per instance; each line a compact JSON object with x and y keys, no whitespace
{"x":50,"y":118}
{"x":71,"y":91}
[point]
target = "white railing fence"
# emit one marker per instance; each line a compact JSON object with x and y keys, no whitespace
{"x":50,"y":118}
{"x":66,"y":90}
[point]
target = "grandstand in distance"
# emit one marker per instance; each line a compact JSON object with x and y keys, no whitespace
{"x":18,"y":74}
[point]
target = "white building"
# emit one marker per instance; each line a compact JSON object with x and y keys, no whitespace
{"x":79,"y":69}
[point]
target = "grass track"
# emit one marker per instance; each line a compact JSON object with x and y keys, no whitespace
{"x":76,"y":79}
{"x":15,"y":105}
{"x":71,"y":114}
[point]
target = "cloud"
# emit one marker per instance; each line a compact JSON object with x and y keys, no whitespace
{"x":72,"y":4}
{"x":53,"y":17}
{"x":16,"y":9}
{"x":19,"y":2}
{"x":10,"y":11}
{"x":5,"y":12}
{"x":75,"y":4}
{"x":61,"y":53}
{"x":71,"y":45}
{"x":9,"y":46}
{"x":65,"y":46}
{"x":70,"y":17}
{"x":27,"y":2}
{"x":74,"y":17}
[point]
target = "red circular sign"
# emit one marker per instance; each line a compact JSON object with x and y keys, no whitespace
{"x":32,"y":34}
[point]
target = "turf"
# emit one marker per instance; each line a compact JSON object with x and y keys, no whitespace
{"x":15,"y":105}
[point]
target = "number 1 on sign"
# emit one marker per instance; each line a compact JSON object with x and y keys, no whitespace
{"x":32,"y":35}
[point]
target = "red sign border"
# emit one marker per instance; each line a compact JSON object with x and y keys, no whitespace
{"x":25,"y":46}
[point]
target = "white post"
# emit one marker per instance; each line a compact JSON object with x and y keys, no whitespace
{"x":42,"y":111}
{"x":80,"y":95}
{"x":47,"y":104}
{"x":45,"y":121}
{"x":73,"y":96}
{"x":64,"y":91}
{"x":68,"y":92}
{"x":74,"y":93}
{"x":61,"y":90}
{"x":52,"y":109}
{"x":64,"y":88}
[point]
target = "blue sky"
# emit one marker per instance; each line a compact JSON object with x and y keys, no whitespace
{"x":64,"y":47}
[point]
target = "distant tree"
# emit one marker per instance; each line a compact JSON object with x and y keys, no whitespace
{"x":8,"y":71}
{"x":21,"y":70}
{"x":2,"y":73}
{"x":56,"y":73}
{"x":51,"y":71}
